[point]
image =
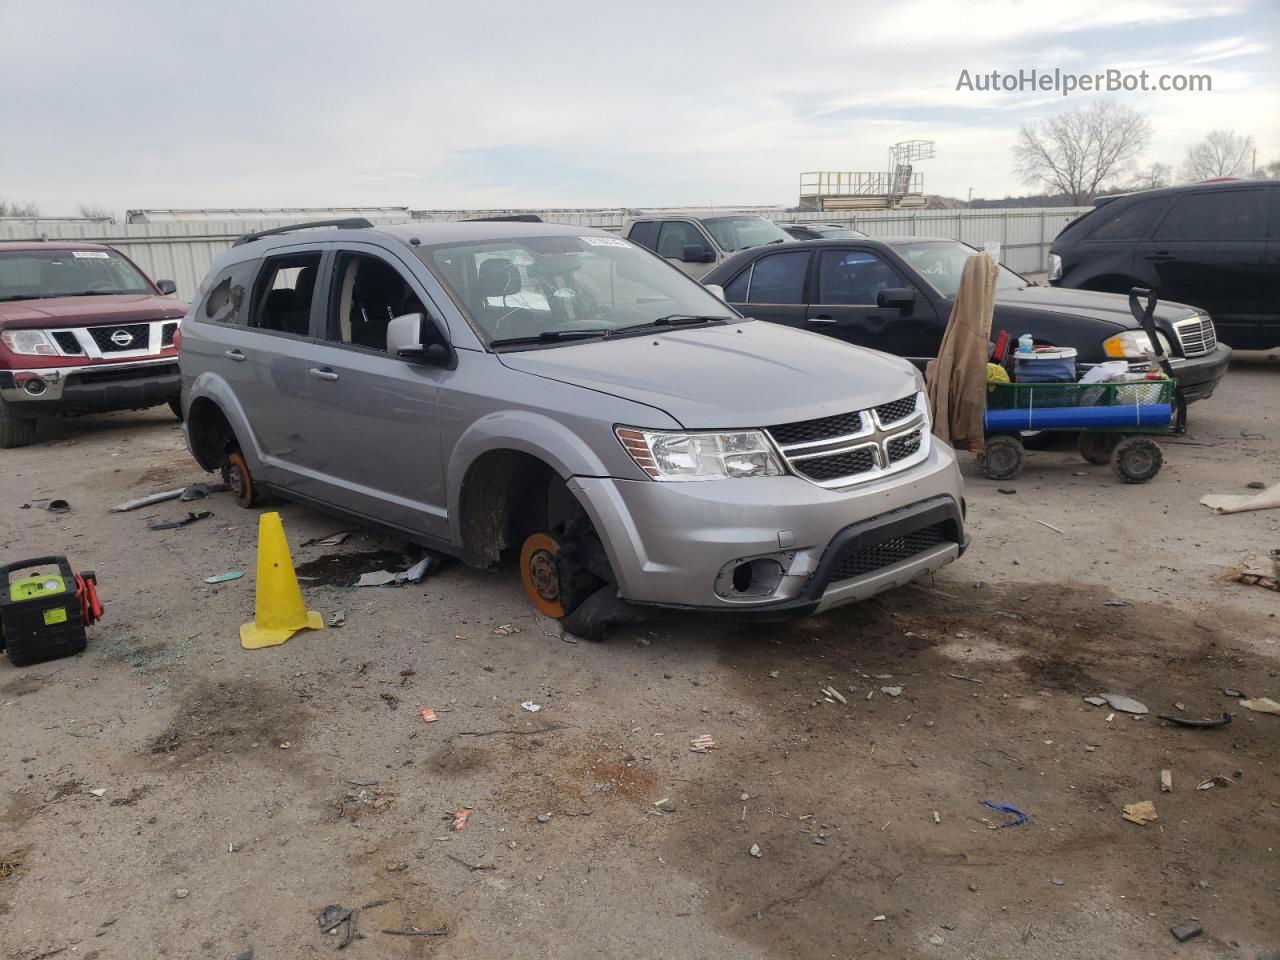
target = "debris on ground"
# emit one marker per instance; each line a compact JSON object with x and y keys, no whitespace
{"x":1117,"y":603}
{"x":428,"y":715}
{"x":1095,"y":701}
{"x":376,"y":578}
{"x":1216,"y":781}
{"x":665,"y":805}
{"x":147,"y":501}
{"x":1144,"y":811}
{"x":834,"y":694}
{"x":755,"y":851}
{"x":198,"y":491}
{"x":891,"y":691}
{"x":336,"y":916}
{"x":99,"y":792}
{"x":225,"y":576}
{"x":1204,"y":723}
{"x":182,"y":893}
{"x":1237,"y":503}
{"x":1253,"y":572}
{"x":437,"y":932}
{"x":191,"y":517}
{"x":55,"y":506}
{"x":10,"y":863}
{"x":428,"y":565}
{"x":544,"y":818}
{"x":1233,"y":693}
{"x":1166,"y":781}
{"x":333,"y":540}
{"x":460,"y":820}
{"x":1016,"y":816}
{"x":505,"y":630}
{"x":1262,"y":705}
{"x":704,"y":743}
{"x":337,"y":618}
{"x":530,"y":706}
{"x":1186,"y":931}
{"x":1125,"y":704}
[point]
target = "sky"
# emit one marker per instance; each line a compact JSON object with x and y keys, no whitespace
{"x":137,"y":104}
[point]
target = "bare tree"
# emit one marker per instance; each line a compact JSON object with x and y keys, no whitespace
{"x":1223,"y":153}
{"x":1270,"y":171}
{"x":92,"y":212}
{"x":10,"y":208}
{"x":1075,"y":152}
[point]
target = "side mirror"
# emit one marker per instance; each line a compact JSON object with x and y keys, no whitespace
{"x":167,"y":287}
{"x":697,"y":253}
{"x":406,"y":336}
{"x":901,"y":297}
{"x":716,"y":290}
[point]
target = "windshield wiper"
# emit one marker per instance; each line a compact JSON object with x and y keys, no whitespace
{"x":551,"y":336}
{"x":674,"y":320}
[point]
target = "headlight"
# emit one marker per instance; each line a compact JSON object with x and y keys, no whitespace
{"x":700,"y":456}
{"x":1055,"y":267}
{"x":30,"y":342}
{"x":1134,"y":345}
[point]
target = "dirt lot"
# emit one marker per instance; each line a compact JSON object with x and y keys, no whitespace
{"x":245,"y":791}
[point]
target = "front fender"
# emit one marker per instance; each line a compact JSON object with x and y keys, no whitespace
{"x":566,"y":452}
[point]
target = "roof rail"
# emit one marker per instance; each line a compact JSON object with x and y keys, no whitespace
{"x":506,"y":218}
{"x":347,"y":223}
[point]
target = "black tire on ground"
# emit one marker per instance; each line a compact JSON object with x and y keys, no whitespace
{"x":176,"y":406}
{"x":1137,"y":459}
{"x":235,"y":472}
{"x":1003,"y":457}
{"x":1097,"y":447}
{"x":15,"y":431}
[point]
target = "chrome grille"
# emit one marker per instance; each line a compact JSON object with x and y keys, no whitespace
{"x":166,"y":334}
{"x":1196,"y":336}
{"x":847,"y":464}
{"x":67,"y":342}
{"x":810,"y":431}
{"x":903,"y":446}
{"x":105,"y":337}
{"x":857,"y":446}
{"x":896,"y":410}
{"x":888,"y":552}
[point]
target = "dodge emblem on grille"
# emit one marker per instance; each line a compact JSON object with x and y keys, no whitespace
{"x":122,"y":338}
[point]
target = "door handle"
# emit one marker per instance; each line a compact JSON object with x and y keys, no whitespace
{"x":235,"y":355}
{"x":1159,"y":257}
{"x":322,"y":373}
{"x":822,"y":318}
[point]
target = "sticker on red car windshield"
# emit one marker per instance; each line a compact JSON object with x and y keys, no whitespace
{"x":90,"y":255}
{"x":604,"y":241}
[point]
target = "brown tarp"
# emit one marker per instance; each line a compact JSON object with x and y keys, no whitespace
{"x":957,"y":379}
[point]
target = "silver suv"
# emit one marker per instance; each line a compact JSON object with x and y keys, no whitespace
{"x":560,"y":395}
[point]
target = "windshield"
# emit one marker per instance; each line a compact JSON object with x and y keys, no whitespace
{"x":941,"y":262}
{"x":739,"y":233}
{"x":562,"y":287}
{"x":36,"y":274}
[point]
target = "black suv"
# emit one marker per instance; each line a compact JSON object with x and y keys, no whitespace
{"x":1214,"y":244}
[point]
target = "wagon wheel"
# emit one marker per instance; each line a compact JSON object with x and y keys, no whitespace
{"x":1137,"y":459}
{"x":1003,"y":457}
{"x":1097,"y":447}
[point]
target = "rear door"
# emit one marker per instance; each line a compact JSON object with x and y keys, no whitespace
{"x":772,"y":287}
{"x":380,"y":453}
{"x":260,"y":326}
{"x":1209,"y":251}
{"x":846,"y":287}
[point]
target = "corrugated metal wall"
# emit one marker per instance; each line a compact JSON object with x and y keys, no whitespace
{"x":182,"y":250}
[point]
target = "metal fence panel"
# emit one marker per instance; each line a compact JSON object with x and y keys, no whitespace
{"x":183,"y":250}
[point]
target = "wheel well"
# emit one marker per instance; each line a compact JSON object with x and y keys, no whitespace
{"x":507,"y":495}
{"x":211,"y":435}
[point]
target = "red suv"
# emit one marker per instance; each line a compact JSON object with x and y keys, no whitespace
{"x":81,"y":329}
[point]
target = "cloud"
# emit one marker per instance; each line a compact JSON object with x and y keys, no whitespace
{"x":570,"y":102}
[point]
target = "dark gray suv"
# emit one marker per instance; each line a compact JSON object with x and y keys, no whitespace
{"x":566,"y":395}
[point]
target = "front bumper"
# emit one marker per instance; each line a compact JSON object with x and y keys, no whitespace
{"x":51,"y":391}
{"x":670,"y":544}
{"x":1198,"y":376}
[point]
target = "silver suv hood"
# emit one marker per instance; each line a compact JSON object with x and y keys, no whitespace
{"x":747,"y":374}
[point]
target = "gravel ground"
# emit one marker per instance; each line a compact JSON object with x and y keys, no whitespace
{"x":243,"y":792}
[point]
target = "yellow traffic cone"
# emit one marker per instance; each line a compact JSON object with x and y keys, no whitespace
{"x":278,"y":610}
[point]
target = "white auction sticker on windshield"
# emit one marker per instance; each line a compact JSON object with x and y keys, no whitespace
{"x":90,"y":255}
{"x":604,"y":241}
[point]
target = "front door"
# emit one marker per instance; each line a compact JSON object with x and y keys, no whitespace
{"x":845,"y":306}
{"x":1209,"y":252}
{"x":772,"y":288}
{"x":380,"y":456}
